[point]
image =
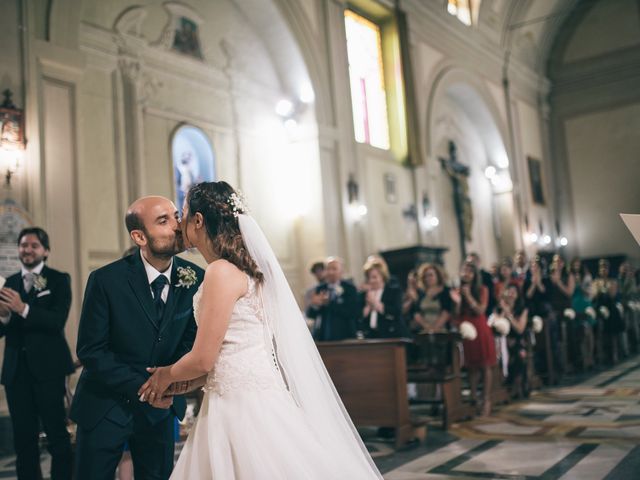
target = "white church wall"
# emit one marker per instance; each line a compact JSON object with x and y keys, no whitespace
{"x":594,"y":106}
{"x":602,"y":149}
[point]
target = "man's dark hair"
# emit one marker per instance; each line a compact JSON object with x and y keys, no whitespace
{"x":317,"y":266}
{"x":43,"y":237}
{"x":133,"y":222}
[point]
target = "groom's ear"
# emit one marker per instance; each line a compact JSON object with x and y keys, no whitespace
{"x":138,"y":237}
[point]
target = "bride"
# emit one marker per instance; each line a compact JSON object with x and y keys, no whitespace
{"x":270,"y":410}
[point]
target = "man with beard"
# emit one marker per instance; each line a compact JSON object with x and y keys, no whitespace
{"x":137,"y":313}
{"x":33,"y":311}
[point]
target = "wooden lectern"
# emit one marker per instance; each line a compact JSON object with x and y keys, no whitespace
{"x":371,"y":378}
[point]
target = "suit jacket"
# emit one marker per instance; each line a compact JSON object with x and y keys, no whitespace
{"x":119,"y":337}
{"x":41,"y":334}
{"x":337,"y":318}
{"x":390,"y":323}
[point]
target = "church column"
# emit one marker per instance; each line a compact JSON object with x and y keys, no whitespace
{"x":133,"y":128}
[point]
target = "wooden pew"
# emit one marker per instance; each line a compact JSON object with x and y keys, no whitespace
{"x":371,"y":378}
{"x":439,"y":363}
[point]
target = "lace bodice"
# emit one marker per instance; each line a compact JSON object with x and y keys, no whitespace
{"x":246,"y":358}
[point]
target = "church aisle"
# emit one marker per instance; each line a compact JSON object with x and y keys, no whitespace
{"x":588,"y":431}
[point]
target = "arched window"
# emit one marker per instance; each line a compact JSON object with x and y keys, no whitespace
{"x":465,"y":10}
{"x":193,"y":160}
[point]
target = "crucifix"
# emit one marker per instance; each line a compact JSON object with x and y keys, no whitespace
{"x":459,"y":174}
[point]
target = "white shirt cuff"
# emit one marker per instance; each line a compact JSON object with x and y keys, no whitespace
{"x":25,"y":312}
{"x":6,"y":319}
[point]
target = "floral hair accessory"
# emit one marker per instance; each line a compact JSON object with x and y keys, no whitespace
{"x":238,"y":203}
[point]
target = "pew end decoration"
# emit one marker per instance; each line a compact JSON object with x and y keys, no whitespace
{"x":569,"y":313}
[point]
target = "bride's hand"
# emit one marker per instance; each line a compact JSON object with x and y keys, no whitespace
{"x":154,"y":388}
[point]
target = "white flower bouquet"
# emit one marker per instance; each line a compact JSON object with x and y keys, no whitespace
{"x":537,"y":323}
{"x":468,"y":331}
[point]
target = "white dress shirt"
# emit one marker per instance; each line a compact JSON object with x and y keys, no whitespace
{"x":373,"y":319}
{"x":152,"y":274}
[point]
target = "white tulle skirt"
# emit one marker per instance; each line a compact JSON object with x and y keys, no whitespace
{"x":256,"y":435}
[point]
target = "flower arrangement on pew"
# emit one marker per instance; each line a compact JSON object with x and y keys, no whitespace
{"x":569,"y":313}
{"x":604,"y":312}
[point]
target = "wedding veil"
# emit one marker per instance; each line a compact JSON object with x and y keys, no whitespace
{"x":301,"y":364}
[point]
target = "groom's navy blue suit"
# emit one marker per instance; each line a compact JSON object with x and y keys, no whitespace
{"x":120,"y":335}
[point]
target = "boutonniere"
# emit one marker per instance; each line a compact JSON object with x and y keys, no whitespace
{"x":39,"y":282}
{"x":339,"y":290}
{"x":186,"y":277}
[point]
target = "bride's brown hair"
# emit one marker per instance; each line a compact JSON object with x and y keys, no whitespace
{"x":214,"y":201}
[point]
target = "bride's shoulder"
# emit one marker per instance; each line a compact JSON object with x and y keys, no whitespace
{"x":223,"y":272}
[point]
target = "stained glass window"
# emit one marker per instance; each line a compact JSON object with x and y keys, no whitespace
{"x":366,"y":73}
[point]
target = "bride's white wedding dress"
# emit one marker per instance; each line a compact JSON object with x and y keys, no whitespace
{"x":250,"y":427}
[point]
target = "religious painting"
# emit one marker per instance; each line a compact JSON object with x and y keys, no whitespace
{"x":390,"y":188}
{"x":193,"y":160}
{"x":186,"y":39}
{"x":11,"y":128}
{"x":535,"y":177}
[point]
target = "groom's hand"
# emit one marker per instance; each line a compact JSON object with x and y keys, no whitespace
{"x":163,"y":402}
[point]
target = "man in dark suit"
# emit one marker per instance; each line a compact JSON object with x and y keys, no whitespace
{"x":33,"y":311}
{"x":137,"y":312}
{"x":334,"y":306}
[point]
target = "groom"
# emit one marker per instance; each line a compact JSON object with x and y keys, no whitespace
{"x":137,"y":312}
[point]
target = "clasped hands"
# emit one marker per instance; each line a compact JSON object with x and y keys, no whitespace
{"x":159,"y":390}
{"x":10,"y":301}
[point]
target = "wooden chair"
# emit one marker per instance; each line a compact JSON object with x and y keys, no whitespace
{"x":438,"y":363}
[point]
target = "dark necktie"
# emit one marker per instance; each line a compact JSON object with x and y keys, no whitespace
{"x":156,"y":287}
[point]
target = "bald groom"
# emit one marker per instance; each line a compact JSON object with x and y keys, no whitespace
{"x":137,"y":312}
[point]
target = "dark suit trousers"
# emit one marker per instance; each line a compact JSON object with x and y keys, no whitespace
{"x":98,"y":450}
{"x":31,"y":402}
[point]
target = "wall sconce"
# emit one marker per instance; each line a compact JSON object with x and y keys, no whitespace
{"x":11,"y":137}
{"x":353,"y":196}
{"x":430,"y":221}
{"x":411,"y":212}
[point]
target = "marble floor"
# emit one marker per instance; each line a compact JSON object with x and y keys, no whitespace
{"x":588,"y":430}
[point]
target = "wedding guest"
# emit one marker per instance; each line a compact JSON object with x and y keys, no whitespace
{"x":521,"y":267}
{"x":34,"y":305}
{"x":382,"y":303}
{"x":410,"y":297}
{"x":537,"y":290}
{"x":604,"y":301}
{"x":582,"y":333}
{"x":434,"y":306}
{"x":334,"y":305}
{"x":471,"y":302}
{"x":505,"y":278}
{"x":486,"y":279}
{"x":511,"y":306}
{"x":317,"y":270}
